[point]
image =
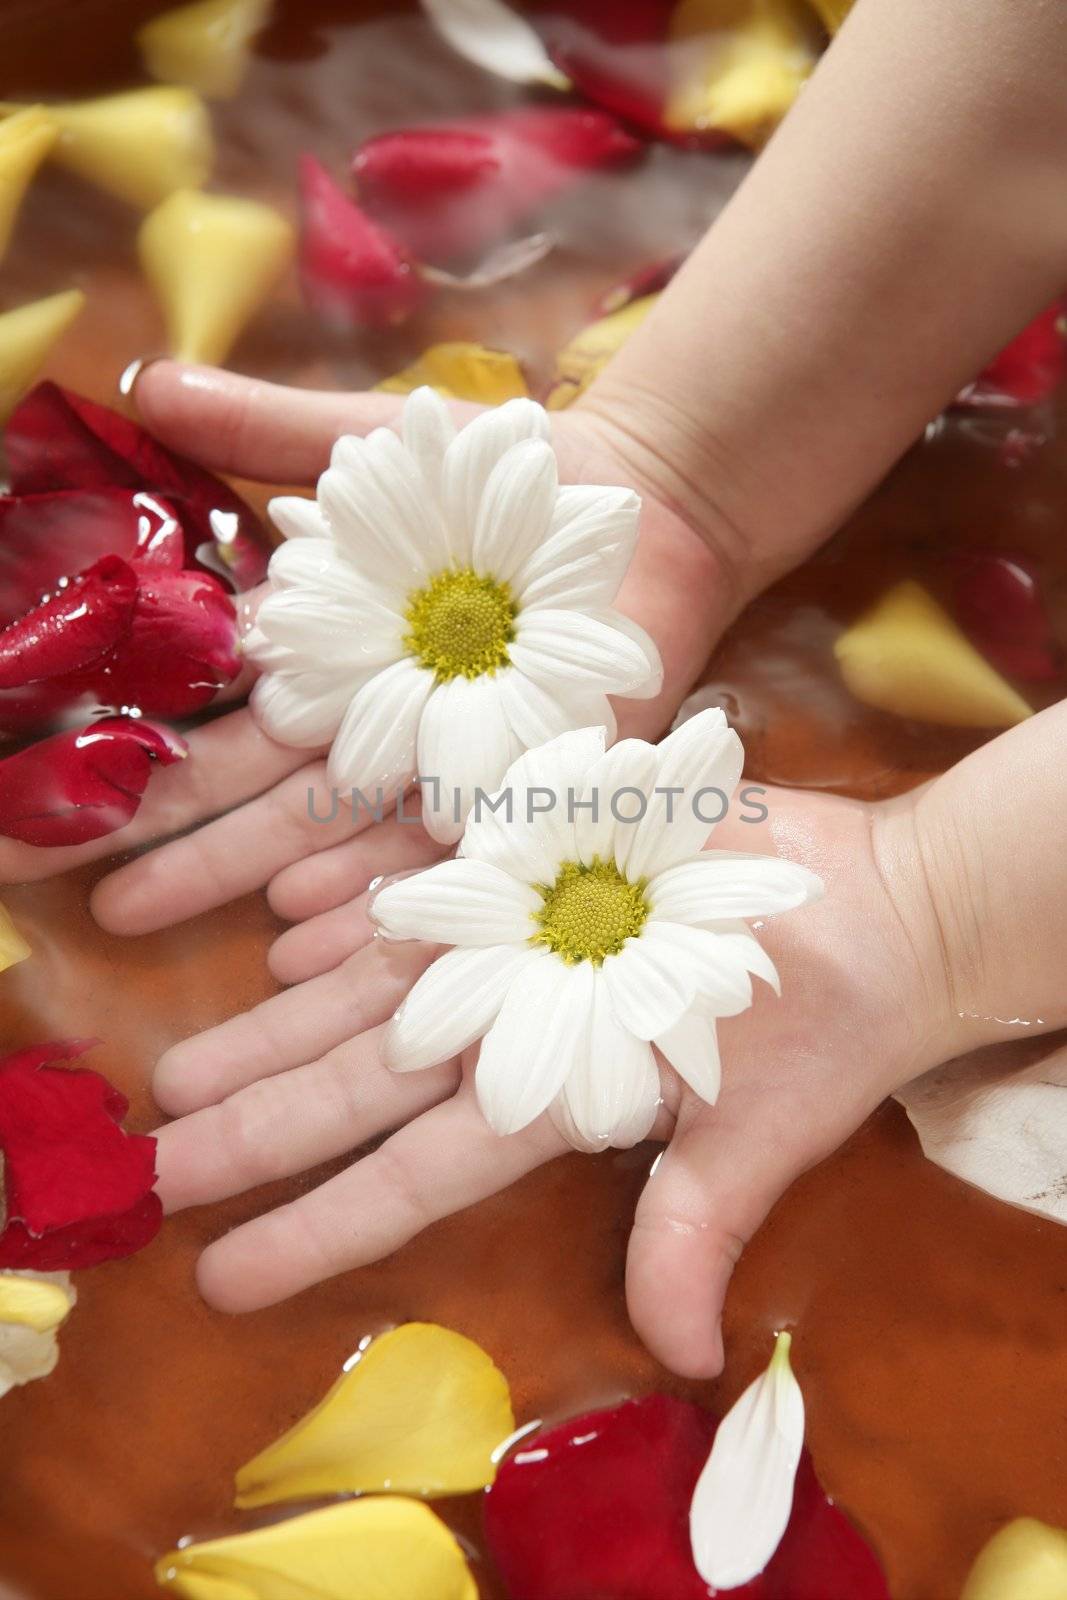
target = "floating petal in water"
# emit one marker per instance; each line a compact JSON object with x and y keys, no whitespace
{"x":744,"y":1496}
{"x":742,"y":65}
{"x":13,"y":947}
{"x":421,"y":1411}
{"x":908,"y":657}
{"x":382,"y":1548}
{"x":599,"y":1506}
{"x":25,"y":140}
{"x":140,"y":145}
{"x":33,"y":1305}
{"x":1029,"y":369}
{"x":212,"y":260}
{"x":76,"y":1188}
{"x":454,"y":189}
{"x":589,"y":352}
{"x":1026,"y":1560}
{"x":82,"y":784}
{"x":352,"y":271}
{"x":59,"y":440}
{"x":462,"y":371}
{"x":493,"y":36}
{"x":204,"y":45}
{"x":616,"y":55}
{"x":647,"y":280}
{"x":997,"y":600}
{"x":27,"y":334}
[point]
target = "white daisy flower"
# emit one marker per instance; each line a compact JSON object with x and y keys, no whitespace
{"x":445,"y":605}
{"x":582,"y":939}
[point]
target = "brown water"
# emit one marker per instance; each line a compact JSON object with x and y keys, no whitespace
{"x":930,"y":1320}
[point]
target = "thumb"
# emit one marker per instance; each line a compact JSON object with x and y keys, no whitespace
{"x":708,"y":1193}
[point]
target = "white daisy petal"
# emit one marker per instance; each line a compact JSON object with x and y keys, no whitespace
{"x":298,"y":517}
{"x":735,"y":942}
{"x":495,"y":38}
{"x":722,"y":885}
{"x":531,"y":833}
{"x":265,"y":655}
{"x":649,"y":986}
{"x":465,"y":743}
{"x":303,"y":709}
{"x":589,"y":525}
{"x":327,"y":632}
{"x":617,"y":786}
{"x":553,"y":645}
{"x":515,"y":509}
{"x":383,"y":520}
{"x":470,"y":459}
{"x":458,"y":902}
{"x":701,"y":763}
{"x":532,"y":1047}
{"x":744,"y":1496}
{"x":427,"y":430}
{"x":612,"y":1093}
{"x":653,"y":682}
{"x":692,"y":1048}
{"x":454,"y":1002}
{"x":375,"y":744}
{"x":536,"y":715}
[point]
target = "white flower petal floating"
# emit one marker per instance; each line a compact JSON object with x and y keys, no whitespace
{"x":998,"y":1124}
{"x":33,"y":1305}
{"x":569,"y":963}
{"x":744,"y":1495}
{"x":446,"y":606}
{"x":494,"y":37}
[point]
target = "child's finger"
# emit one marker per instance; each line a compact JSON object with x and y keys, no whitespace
{"x":332,"y":877}
{"x":229,"y":857}
{"x":444,"y":1161}
{"x":719,"y":1177}
{"x":285,"y":1124}
{"x":289,"y":1029}
{"x":256,"y":429}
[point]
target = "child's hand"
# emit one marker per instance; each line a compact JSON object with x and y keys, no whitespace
{"x":298,"y":1081}
{"x":684,"y":586}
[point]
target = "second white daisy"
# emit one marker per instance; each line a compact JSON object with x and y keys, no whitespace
{"x":443,"y":605}
{"x":584,"y":938}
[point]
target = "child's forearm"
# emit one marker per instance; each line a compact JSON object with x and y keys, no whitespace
{"x":978,"y":870}
{"x":906,"y":220}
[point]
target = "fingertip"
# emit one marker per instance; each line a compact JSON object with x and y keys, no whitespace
{"x":675,"y":1288}
{"x":115,"y":906}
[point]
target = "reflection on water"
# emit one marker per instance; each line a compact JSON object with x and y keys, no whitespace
{"x":931,"y":1353}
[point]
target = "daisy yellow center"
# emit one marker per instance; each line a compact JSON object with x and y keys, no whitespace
{"x":460,"y":624}
{"x":590,"y":911}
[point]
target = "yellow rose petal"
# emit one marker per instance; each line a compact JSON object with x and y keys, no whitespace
{"x":832,"y":12}
{"x":27,"y":334}
{"x":140,"y":145}
{"x":37,"y":1301}
{"x":203,"y":45}
{"x":25,"y":140}
{"x":589,"y":352}
{"x":32,"y":1307}
{"x":1027,"y":1560}
{"x":212,"y":260}
{"x":462,"y":371}
{"x":377,"y":1549}
{"x":908,"y":657}
{"x":421,"y":1412}
{"x":740,"y":66}
{"x":13,"y":947}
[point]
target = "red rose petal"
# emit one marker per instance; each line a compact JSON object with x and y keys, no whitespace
{"x":1028,"y":369}
{"x":353,"y":273}
{"x":453,"y":190}
{"x":180,"y":650}
{"x":650,"y":279}
{"x":997,"y":602}
{"x":600,"y":1507}
{"x":65,"y":634}
{"x":83,"y":784}
{"x":77,"y":1188}
{"x":59,"y":440}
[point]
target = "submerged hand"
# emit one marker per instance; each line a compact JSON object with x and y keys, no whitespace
{"x":299,"y":1081}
